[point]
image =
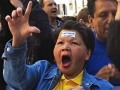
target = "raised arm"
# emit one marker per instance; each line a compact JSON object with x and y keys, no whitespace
{"x":16,"y":73}
{"x":43,"y":43}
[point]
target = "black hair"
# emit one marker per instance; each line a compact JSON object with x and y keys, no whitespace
{"x":85,"y":32}
{"x":65,"y":18}
{"x":91,"y":6}
{"x":41,"y":3}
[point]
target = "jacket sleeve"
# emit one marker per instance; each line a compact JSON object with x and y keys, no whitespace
{"x":113,"y":43}
{"x":39,"y":18}
{"x":16,"y":73}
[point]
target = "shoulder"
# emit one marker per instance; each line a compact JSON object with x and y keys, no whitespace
{"x":43,"y":63}
{"x":103,"y":83}
{"x":96,"y":82}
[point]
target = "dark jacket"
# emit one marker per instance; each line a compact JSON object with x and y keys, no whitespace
{"x":113,"y":43}
{"x":40,"y":45}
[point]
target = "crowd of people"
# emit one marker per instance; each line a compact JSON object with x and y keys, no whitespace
{"x":39,"y":49}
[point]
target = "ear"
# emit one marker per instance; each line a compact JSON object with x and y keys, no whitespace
{"x":88,"y":54}
{"x":90,"y":19}
{"x":80,"y":20}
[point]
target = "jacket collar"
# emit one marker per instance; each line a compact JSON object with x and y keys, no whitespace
{"x":53,"y":72}
{"x":89,"y":80}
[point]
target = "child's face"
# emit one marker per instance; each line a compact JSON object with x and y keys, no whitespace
{"x":70,"y":53}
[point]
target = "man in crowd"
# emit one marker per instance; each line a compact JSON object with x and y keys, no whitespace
{"x":101,"y":12}
{"x":50,"y":7}
{"x":39,"y":46}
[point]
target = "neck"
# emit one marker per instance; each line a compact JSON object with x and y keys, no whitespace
{"x":53,"y":22}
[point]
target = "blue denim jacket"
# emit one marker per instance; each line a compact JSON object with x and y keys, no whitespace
{"x":41,"y":75}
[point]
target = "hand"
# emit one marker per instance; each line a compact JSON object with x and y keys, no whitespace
{"x":16,"y":3}
{"x":117,"y":16}
{"x":106,"y":72}
{"x":19,"y":26}
{"x":76,"y":88}
{"x":116,"y":75}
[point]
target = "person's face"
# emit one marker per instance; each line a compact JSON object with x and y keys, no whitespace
{"x":50,"y":8}
{"x":105,"y":11}
{"x":70,"y":54}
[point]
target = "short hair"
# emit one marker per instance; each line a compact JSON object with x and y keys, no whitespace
{"x":83,"y":14}
{"x":65,"y":18}
{"x":41,"y":3}
{"x":91,"y":6}
{"x":86,"y":33}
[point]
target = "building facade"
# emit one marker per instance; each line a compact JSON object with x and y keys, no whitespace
{"x":70,"y":7}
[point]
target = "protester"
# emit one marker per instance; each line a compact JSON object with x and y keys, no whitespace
{"x":50,"y":7}
{"x":101,"y":12}
{"x":73,"y":48}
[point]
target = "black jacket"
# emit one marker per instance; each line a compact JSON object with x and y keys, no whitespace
{"x":40,"y":46}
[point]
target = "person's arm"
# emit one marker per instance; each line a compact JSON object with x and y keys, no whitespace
{"x":38,"y":17}
{"x":16,"y":73}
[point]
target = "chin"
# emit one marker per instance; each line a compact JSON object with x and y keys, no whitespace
{"x":54,"y":16}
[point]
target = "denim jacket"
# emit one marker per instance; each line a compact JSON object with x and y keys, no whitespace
{"x":41,"y":75}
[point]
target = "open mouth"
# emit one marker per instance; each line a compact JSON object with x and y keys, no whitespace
{"x":53,"y":12}
{"x":66,"y":60}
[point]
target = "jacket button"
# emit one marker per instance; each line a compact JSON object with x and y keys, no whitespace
{"x":87,"y":84}
{"x":8,"y":49}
